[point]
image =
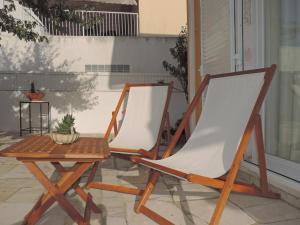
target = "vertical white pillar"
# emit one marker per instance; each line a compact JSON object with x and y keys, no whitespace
{"x":191,"y":56}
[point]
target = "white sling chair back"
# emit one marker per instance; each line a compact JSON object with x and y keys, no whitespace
{"x":142,"y":120}
{"x":213,"y":153}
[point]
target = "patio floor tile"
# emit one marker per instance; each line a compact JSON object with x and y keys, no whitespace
{"x":181,"y":202}
{"x":7,"y":193}
{"x":17,"y":172}
{"x":26,"y":195}
{"x":275,"y":212}
{"x":12,"y":213}
{"x":245,"y":201}
{"x":232,"y":215}
{"x":289,"y":222}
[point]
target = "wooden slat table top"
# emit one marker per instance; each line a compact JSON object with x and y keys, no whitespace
{"x":43,"y":148}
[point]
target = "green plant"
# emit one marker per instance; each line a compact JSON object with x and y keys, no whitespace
{"x":66,"y":126}
{"x":180,"y":72}
{"x":179,"y":53}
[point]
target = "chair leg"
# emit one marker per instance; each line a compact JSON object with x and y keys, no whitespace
{"x":223,"y":200}
{"x":228,"y":185}
{"x":154,"y":152}
{"x":187,"y":131}
{"x":167,"y":127}
{"x":115,"y":188}
{"x":261,"y":156}
{"x":87,"y":211}
{"x":115,"y":125}
{"x":148,"y":190}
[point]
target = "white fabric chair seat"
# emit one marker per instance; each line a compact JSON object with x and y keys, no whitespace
{"x":213,"y":144}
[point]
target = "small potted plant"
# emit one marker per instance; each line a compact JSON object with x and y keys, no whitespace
{"x":65,"y":131}
{"x":34,"y":95}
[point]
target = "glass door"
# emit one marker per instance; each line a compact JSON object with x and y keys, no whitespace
{"x":249,"y":53}
{"x":271,"y":35}
{"x":282,"y":120}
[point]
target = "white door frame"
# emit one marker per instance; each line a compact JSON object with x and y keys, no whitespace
{"x":236,"y":37}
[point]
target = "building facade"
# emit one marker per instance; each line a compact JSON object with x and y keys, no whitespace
{"x":162,"y":18}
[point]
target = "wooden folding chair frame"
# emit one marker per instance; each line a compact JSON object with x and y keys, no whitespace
{"x":227,"y":182}
{"x":152,"y":154}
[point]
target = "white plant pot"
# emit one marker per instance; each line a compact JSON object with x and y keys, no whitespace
{"x":63,"y":139}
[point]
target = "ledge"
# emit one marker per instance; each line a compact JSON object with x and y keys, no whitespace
{"x":288,"y":188}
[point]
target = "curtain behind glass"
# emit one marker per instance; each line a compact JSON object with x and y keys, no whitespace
{"x":283,"y":102}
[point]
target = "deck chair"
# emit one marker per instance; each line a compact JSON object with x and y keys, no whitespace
{"x":213,"y":154}
{"x":145,"y":118}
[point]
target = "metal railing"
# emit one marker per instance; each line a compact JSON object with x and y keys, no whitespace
{"x":95,"y":23}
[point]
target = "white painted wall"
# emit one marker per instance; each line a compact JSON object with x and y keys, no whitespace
{"x":90,"y":98}
{"x":70,"y":54}
{"x":57,"y":68}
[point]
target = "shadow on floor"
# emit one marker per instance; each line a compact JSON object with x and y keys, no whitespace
{"x":56,"y":215}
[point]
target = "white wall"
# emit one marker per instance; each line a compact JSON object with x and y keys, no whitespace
{"x":70,"y":54}
{"x":58,"y":70}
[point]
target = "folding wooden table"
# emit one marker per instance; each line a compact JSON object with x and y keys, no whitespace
{"x":84,"y":153}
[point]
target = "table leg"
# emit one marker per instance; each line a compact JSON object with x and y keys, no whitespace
{"x":20,"y":118}
{"x":48,"y":115}
{"x":29,"y":108}
{"x":56,"y":192}
{"x":78,"y":190}
{"x":41,"y":118}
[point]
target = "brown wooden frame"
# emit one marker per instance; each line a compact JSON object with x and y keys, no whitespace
{"x":56,"y":192}
{"x":225,"y":183}
{"x":152,"y":154}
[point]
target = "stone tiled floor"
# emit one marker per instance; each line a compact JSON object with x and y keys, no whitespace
{"x":181,"y":202}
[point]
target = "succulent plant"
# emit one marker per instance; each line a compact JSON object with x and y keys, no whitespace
{"x":66,"y":126}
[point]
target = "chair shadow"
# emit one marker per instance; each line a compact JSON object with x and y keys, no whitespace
{"x":56,"y":213}
{"x":173,"y":190}
{"x":166,"y":185}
